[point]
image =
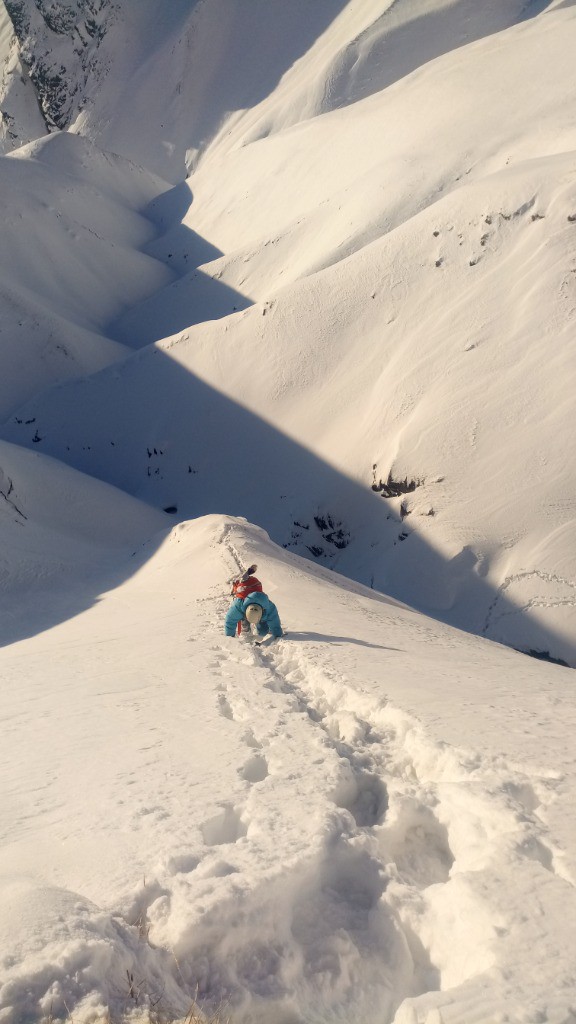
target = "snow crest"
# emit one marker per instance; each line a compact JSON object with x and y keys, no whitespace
{"x":333,"y":853}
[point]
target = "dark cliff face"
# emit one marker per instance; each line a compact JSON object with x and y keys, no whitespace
{"x":60,"y":43}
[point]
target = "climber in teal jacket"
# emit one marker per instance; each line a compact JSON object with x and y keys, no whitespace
{"x":256,"y":608}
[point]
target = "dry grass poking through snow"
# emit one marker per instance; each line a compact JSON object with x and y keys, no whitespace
{"x":195,"y":1016}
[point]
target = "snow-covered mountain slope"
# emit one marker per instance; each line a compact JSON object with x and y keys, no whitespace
{"x":370,"y":820}
{"x":394,"y":283}
{"x":70,"y":261}
{"x":60,"y":529}
{"x":354,"y":324}
{"x":21,"y":119}
{"x":161,"y":83}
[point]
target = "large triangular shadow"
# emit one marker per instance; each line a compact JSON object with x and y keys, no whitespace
{"x":193,"y":296}
{"x":158,"y":432}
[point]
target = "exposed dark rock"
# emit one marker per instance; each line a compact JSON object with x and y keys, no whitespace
{"x":394,"y":488}
{"x":315,"y":550}
{"x":546,"y":656}
{"x":71,"y":29}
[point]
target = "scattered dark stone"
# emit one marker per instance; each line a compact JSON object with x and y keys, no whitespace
{"x":19,"y":17}
{"x":435,"y":233}
{"x":572,"y":218}
{"x":302,"y":526}
{"x":546,"y":656}
{"x":332,"y":532}
{"x":171,"y":509}
{"x":537,"y":216}
{"x":338,"y":538}
{"x":315,"y":550}
{"x":394,"y":488}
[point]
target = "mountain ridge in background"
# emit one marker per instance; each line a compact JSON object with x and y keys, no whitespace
{"x":284,"y":280}
{"x":401,"y":255}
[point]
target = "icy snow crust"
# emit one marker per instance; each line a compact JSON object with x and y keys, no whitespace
{"x":352,"y":324}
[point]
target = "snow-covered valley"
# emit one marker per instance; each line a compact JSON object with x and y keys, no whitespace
{"x":312,"y":268}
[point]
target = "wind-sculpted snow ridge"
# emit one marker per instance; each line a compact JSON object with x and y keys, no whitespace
{"x":340,"y":826}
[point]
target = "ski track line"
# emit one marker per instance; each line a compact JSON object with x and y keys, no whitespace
{"x":494,"y":615}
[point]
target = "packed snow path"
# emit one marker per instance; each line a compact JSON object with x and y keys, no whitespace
{"x":367,"y":820}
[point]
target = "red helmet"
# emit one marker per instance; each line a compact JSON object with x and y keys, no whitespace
{"x":241,"y":588}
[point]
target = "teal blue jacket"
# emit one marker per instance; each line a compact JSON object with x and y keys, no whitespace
{"x":269,"y":623}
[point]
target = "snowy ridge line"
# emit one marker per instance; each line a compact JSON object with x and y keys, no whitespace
{"x":294,"y":847}
{"x":6,"y":494}
{"x":418,"y":827}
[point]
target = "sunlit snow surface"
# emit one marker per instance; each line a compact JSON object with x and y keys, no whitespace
{"x":368,"y":819}
{"x":356,"y":270}
{"x":340,"y":293}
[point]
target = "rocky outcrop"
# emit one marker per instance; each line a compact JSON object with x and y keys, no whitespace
{"x":59,"y":49}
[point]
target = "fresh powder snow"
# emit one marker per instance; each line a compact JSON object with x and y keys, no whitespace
{"x":292,"y":284}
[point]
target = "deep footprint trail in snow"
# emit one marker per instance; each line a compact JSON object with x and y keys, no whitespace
{"x":367,"y":820}
{"x":386,"y":857}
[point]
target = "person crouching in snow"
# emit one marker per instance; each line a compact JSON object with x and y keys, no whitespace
{"x":251,"y":606}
